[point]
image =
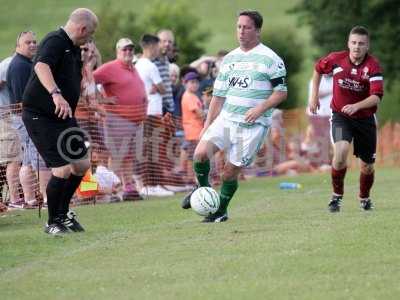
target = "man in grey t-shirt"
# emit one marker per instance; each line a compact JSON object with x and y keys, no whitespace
{"x":166,"y":42}
{"x":10,"y":146}
{"x":4,"y":94}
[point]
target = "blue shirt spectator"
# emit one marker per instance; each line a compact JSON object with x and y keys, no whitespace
{"x":18,"y":74}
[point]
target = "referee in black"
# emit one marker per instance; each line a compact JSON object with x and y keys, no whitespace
{"x":49,"y":103}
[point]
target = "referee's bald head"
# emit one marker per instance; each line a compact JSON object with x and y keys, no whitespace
{"x":81,"y":25}
{"x":83,"y":16}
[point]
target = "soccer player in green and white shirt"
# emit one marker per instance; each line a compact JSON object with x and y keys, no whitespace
{"x":251,"y":82}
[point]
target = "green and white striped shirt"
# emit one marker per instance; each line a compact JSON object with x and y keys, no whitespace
{"x":248,"y":78}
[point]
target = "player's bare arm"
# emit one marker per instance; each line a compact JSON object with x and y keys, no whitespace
{"x":43,"y":71}
{"x":368,"y":102}
{"x":314,"y":101}
{"x":273,"y":100}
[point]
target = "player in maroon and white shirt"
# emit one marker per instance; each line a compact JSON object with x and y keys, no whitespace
{"x":357,"y":91}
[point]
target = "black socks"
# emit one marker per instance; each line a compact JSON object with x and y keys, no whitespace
{"x":59,"y":193}
{"x":54,"y":192}
{"x":70,"y":186}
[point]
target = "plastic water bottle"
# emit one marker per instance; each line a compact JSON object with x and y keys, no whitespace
{"x":289,"y":186}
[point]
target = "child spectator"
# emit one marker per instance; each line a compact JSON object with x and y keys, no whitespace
{"x":206,"y":98}
{"x":192,"y":118}
{"x":110,"y":186}
{"x":177,"y":88}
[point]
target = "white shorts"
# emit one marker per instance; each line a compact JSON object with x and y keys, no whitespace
{"x":239,"y":141}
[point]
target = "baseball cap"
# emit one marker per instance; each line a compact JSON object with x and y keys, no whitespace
{"x":190,"y":76}
{"x":124,"y":42}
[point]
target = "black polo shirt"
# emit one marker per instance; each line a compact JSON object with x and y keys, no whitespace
{"x":18,"y":74}
{"x":64,"y":59}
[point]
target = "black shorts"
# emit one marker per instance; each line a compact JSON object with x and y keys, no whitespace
{"x":362,"y":131}
{"x":60,"y":142}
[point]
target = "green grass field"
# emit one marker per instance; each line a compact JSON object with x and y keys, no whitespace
{"x":277,"y":245}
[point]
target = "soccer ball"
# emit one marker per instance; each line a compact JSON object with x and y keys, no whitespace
{"x":204,"y":201}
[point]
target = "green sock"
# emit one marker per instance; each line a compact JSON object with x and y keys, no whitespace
{"x":202,"y":169}
{"x":228,"y":189}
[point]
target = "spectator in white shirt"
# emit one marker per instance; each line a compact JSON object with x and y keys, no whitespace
{"x":153,"y":83}
{"x":150,"y":75}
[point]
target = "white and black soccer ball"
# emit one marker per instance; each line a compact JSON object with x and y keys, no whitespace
{"x":204,"y":201}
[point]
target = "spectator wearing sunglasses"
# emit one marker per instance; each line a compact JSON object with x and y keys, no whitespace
{"x":18,"y":75}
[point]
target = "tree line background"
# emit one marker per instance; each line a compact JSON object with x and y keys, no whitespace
{"x":299,"y":34}
{"x":329,"y":23}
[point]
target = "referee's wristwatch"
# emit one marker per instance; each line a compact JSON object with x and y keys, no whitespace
{"x":56,"y":90}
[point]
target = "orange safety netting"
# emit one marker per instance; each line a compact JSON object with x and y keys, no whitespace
{"x":147,"y":153}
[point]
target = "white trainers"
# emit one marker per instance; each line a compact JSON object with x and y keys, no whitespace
{"x":19,"y":204}
{"x":179,"y":188}
{"x":163,"y":190}
{"x":32,"y":202}
{"x":156,"y":191}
